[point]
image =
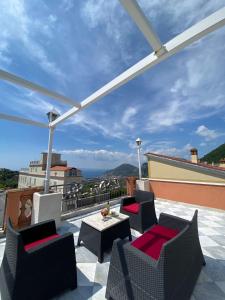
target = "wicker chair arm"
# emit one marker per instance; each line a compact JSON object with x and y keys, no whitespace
{"x":146,"y":204}
{"x":173,"y":222}
{"x":127,"y":200}
{"x":52,"y":248}
{"x":38,"y":231}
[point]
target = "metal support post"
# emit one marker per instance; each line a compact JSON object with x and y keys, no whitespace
{"x":49,"y":160}
{"x":139,"y":161}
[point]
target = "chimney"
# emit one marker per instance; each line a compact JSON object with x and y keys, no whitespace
{"x":194,"y":155}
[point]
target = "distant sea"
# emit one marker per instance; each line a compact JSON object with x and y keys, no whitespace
{"x":92,"y":173}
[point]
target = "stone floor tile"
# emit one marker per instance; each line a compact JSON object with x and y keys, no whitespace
{"x":211,"y":224}
{"x":86,"y":292}
{"x":2,"y":249}
{"x":213,"y":218}
{"x":217,"y":251}
{"x":208,"y":291}
{"x":70,"y":295}
{"x":208,"y":231}
{"x":83,"y":255}
{"x":215,"y":269}
{"x":203,"y":277}
{"x":221,"y":285}
{"x":219,"y":239}
{"x":221,"y":230}
{"x":207,"y":241}
{"x":86,"y":274}
{"x":98,"y":292}
{"x":101,"y":273}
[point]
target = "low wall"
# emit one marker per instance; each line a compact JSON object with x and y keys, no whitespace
{"x":211,"y":195}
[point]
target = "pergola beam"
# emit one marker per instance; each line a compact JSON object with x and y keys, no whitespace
{"x":22,"y":120}
{"x":134,"y":10}
{"x":194,"y":33}
{"x":37,"y":88}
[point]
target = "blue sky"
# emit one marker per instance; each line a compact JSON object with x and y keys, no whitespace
{"x":75,"y":47}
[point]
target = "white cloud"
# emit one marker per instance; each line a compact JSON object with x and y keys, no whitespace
{"x":181,"y":14}
{"x":115,"y":41}
{"x":127,"y":118}
{"x":168,"y":148}
{"x":67,"y":5}
{"x":29,"y":104}
{"x":99,"y":158}
{"x":168,"y":116}
{"x":206,"y":133}
{"x":194,"y":88}
{"x":20,"y":29}
{"x":97,"y":123}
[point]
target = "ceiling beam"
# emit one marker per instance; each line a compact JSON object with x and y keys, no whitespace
{"x":22,"y":120}
{"x":36,"y":88}
{"x":134,"y":10}
{"x":194,"y":33}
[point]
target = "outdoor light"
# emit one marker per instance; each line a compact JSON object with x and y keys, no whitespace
{"x":138,"y":143}
{"x":52,"y":115}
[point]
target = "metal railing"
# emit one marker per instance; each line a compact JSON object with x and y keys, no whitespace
{"x":89,"y":193}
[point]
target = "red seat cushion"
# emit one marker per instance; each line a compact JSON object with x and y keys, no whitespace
{"x":133,"y":208}
{"x":151,"y":242}
{"x":39,"y":242}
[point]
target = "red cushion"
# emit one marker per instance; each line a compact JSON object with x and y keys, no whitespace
{"x":133,"y":208}
{"x":151,"y":242}
{"x":39,"y":242}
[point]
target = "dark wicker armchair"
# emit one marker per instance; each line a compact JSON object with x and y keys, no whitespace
{"x":163,"y":264}
{"x":38,"y":263}
{"x":140,"y":209}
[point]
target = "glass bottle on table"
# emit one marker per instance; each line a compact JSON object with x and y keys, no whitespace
{"x":108,"y":207}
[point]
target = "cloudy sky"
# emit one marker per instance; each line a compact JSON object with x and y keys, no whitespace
{"x":75,"y":47}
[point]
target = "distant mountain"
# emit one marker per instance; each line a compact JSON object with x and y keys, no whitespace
{"x":8,"y":178}
{"x":215,"y":155}
{"x":125,"y":170}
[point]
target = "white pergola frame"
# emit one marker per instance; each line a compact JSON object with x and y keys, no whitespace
{"x":160,"y":53}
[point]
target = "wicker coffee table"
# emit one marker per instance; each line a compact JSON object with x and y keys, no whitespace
{"x":98,"y":234}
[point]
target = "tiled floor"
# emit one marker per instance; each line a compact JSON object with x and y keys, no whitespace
{"x":92,"y":276}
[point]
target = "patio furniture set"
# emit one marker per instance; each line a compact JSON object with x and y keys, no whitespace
{"x":163,"y":263}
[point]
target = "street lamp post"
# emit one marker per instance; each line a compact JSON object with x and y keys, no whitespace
{"x":52,"y":116}
{"x":138,"y":143}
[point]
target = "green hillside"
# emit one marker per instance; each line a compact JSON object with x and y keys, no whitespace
{"x":8,"y":178}
{"x":215,"y":155}
{"x":125,"y":170}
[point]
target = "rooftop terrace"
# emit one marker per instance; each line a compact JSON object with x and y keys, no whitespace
{"x":92,"y":276}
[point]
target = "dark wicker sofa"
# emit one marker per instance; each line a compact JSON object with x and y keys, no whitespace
{"x":140,"y":209}
{"x":134,"y":274}
{"x":38,"y":263}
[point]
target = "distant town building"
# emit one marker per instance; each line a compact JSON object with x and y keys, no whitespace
{"x":60,"y":173}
